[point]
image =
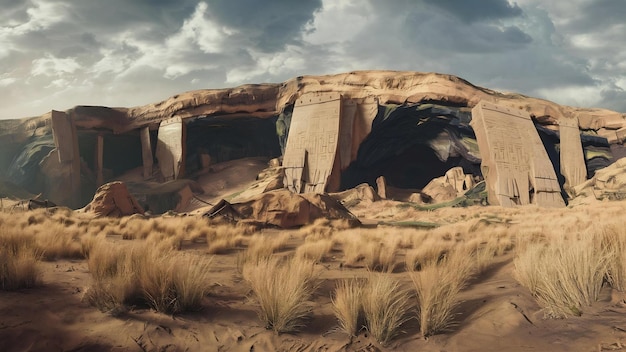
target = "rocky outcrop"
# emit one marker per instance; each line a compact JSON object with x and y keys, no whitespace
{"x":607,"y":184}
{"x":266,"y":100}
{"x":113,"y":200}
{"x":428,"y":112}
{"x":284,"y":209}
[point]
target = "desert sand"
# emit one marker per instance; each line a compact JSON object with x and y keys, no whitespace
{"x":495,"y":312}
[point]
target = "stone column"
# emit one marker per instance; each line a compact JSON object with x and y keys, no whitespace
{"x":99,"y":160}
{"x":146,"y":152}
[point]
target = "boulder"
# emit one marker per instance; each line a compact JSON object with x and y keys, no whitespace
{"x":445,"y":188}
{"x":362,"y":193}
{"x":285,"y":209}
{"x":113,"y":200}
{"x":607,"y":184}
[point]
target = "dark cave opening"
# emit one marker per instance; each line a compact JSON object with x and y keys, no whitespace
{"x":411,"y":145}
{"x":229,"y":138}
{"x":121,"y":152}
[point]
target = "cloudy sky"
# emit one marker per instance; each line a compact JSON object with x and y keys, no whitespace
{"x":55,"y":54}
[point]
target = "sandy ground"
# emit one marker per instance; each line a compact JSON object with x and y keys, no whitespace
{"x":496,"y":314}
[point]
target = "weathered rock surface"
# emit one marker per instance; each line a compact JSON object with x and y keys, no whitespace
{"x":361,"y":194}
{"x":447,"y":187}
{"x":113,"y":200}
{"x":607,"y":184}
{"x":285,"y":209}
{"x":266,"y":100}
{"x":428,"y":112}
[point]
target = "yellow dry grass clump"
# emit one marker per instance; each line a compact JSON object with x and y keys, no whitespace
{"x":565,"y":274}
{"x":18,"y":259}
{"x":348,"y":306}
{"x":385,"y":306}
{"x":613,"y":240}
{"x":438,"y":286}
{"x":223,"y":238}
{"x":137,"y":273}
{"x":282,"y":289}
{"x":316,"y":251}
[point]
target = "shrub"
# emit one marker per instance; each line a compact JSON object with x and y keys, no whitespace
{"x":18,"y":261}
{"x":315,"y":251}
{"x":565,"y":276}
{"x":437,"y":287}
{"x":57,"y":241}
{"x":347,"y":305}
{"x":613,"y":240}
{"x":166,"y":280}
{"x":282,"y":290}
{"x":385,"y":306}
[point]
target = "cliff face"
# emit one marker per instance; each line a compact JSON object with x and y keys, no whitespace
{"x":266,"y":100}
{"x":254,"y":120}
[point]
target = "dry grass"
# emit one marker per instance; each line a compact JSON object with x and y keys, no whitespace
{"x":166,"y":280}
{"x":282,"y":290}
{"x":430,"y":252}
{"x":18,"y":260}
{"x":261,"y":247}
{"x":222,"y":239}
{"x":315,"y":251}
{"x":565,"y":275}
{"x":437,"y":287}
{"x":352,"y":250}
{"x":613,"y":240}
{"x":56,"y":240}
{"x":323,"y":229}
{"x":380,"y":256}
{"x":385,"y":305}
{"x":347,"y":305}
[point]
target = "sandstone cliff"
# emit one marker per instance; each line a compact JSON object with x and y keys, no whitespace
{"x":98,"y":144}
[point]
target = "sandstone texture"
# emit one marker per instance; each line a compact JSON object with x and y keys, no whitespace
{"x":284,"y":209}
{"x":331,"y":133}
{"x":113,"y":200}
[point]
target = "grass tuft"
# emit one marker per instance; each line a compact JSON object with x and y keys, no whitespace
{"x":437,"y":286}
{"x":347,"y":305}
{"x":385,"y":306}
{"x":282,"y":290}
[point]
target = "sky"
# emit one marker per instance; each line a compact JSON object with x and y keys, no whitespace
{"x":55,"y":54}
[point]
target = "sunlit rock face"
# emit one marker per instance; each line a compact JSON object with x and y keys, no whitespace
{"x":409,"y":127}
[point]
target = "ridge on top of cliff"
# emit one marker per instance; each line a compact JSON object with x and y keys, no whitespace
{"x":268,"y":99}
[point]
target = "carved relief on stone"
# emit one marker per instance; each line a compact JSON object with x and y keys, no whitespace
{"x":573,"y":166}
{"x":170,"y":150}
{"x":515,"y":164}
{"x":312,"y":142}
{"x":62,"y":165}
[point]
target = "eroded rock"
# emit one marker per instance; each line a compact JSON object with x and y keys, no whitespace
{"x":113,"y":200}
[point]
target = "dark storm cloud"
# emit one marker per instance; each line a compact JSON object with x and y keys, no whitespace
{"x":599,"y":14}
{"x":59,"y":53}
{"x":439,"y":32}
{"x":472,"y":11}
{"x":162,"y":17}
{"x":269,"y":25}
{"x":13,"y":11}
{"x":614,"y":97}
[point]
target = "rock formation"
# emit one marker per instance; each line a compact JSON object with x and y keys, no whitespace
{"x":409,"y":127}
{"x":113,"y":200}
{"x":284,"y":209}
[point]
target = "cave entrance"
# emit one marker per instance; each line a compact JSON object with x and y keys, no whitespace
{"x":121,"y":152}
{"x":227,"y":138}
{"x":411,"y":145}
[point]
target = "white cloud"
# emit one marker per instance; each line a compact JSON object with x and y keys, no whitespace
{"x":53,"y":66}
{"x":123,"y":53}
{"x":7,"y":81}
